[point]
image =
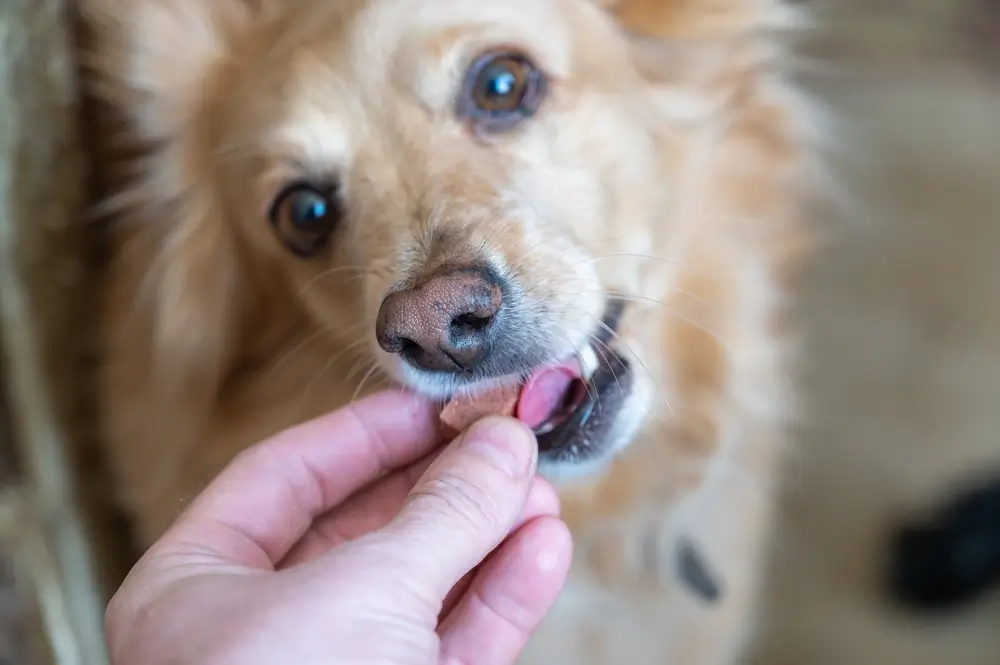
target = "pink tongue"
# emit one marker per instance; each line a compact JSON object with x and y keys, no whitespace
{"x":544,"y":392}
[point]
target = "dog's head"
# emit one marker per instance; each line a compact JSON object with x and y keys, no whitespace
{"x":451,"y":189}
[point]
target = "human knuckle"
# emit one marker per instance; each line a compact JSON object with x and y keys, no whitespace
{"x":260,"y":454}
{"x":464,"y":499}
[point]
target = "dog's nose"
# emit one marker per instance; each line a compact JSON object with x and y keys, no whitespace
{"x":445,"y":324}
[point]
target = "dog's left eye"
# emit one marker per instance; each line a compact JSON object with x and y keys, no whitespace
{"x":500,"y":91}
{"x":304,"y":217}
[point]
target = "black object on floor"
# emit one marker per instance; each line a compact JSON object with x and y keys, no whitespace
{"x":954,"y":559}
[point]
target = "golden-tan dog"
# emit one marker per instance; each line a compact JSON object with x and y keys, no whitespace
{"x":321,"y":198}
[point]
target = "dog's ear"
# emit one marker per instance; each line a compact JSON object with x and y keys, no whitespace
{"x":700,"y":56}
{"x":157,"y":68}
{"x":694,"y":80}
{"x":702,"y":19}
{"x":156,"y":58}
{"x":176,"y":298}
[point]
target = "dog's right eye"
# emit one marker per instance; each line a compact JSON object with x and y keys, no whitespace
{"x":501,"y":90}
{"x":305,"y":217}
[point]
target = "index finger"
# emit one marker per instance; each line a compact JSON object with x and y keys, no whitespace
{"x":267,"y":498}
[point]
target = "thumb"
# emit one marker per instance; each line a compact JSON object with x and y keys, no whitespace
{"x":465,"y":504}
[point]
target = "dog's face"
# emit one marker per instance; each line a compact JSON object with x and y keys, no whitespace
{"x":457,"y":195}
{"x":441,"y":186}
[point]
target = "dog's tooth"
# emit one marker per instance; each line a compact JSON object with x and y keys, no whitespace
{"x":588,"y":361}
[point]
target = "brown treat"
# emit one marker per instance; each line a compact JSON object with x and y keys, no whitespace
{"x":461,"y":412}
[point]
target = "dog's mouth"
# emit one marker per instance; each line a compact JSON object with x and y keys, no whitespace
{"x":572,"y":405}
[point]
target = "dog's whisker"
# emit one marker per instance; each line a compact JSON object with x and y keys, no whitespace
{"x":594,"y":394}
{"x":349,"y":348}
{"x":362,"y":270}
{"x":326,"y":367}
{"x":625,"y":255}
{"x":607,"y":361}
{"x":355,"y":368}
{"x":616,"y":336}
{"x":676,"y":314}
{"x":633,"y":354}
{"x":597,"y":341}
{"x":600,"y":346}
{"x":364,"y":380}
{"x":278,"y":362}
{"x":601,"y":289}
{"x":713,"y":334}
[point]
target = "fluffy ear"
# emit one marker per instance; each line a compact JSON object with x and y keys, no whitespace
{"x":154,"y":59}
{"x":174,"y":307}
{"x":694,"y":80}
{"x":702,"y":19}
{"x":700,"y":57}
{"x":157,"y":66}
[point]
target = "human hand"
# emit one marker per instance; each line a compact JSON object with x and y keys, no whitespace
{"x":350,"y":540}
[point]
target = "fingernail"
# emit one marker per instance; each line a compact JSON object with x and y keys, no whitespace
{"x":504,"y":443}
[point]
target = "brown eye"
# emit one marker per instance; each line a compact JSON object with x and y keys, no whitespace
{"x":304,"y":217}
{"x":501,"y":91}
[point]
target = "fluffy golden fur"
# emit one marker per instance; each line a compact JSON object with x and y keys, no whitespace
{"x":662,"y":166}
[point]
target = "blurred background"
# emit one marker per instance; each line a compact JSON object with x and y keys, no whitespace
{"x":900,"y":374}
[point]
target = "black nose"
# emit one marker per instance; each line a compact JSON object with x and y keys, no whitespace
{"x":445,"y":324}
{"x":952,"y":560}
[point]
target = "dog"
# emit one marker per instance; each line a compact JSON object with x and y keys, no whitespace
{"x":316,"y":200}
